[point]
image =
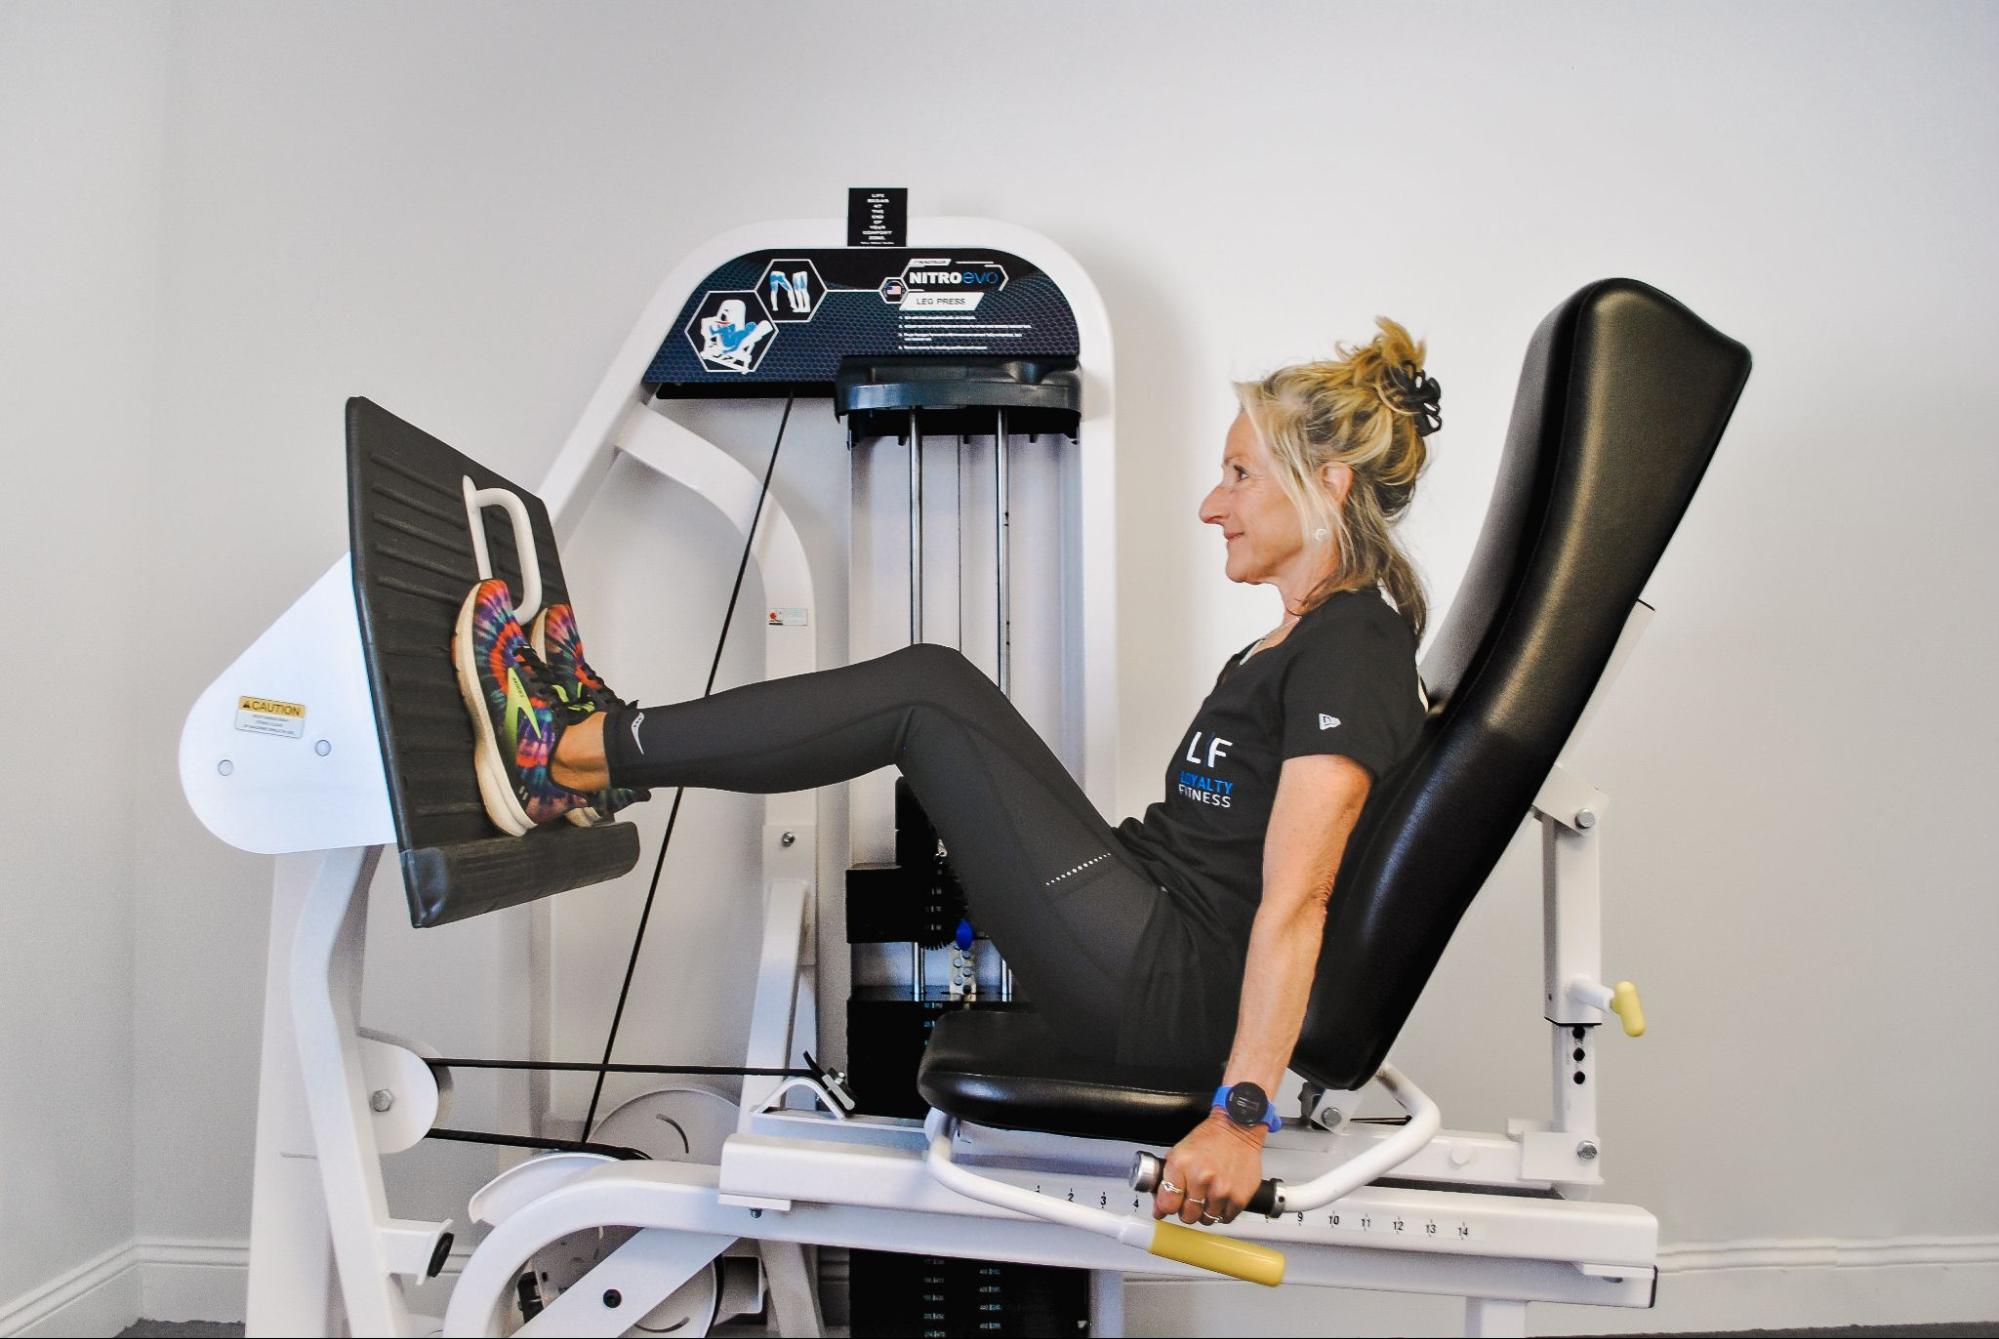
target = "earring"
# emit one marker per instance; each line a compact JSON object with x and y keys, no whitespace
{"x":1322,"y":534}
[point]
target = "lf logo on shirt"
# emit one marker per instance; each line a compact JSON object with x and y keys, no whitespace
{"x":1217,"y":748}
{"x":1207,"y":789}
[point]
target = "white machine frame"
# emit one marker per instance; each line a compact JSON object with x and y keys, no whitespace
{"x":335,"y":1097}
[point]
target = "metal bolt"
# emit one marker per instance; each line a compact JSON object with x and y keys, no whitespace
{"x":1586,"y":1150}
{"x":788,"y":839}
{"x":323,"y":747}
{"x":381,"y":1100}
{"x":756,"y":1213}
{"x":1330,"y":1118}
{"x":225,"y":767}
{"x":1585,"y":819}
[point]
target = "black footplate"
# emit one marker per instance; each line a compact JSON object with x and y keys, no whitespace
{"x":413,"y":566}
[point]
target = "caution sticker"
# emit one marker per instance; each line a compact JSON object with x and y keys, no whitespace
{"x":789,"y":617}
{"x":267,"y":716}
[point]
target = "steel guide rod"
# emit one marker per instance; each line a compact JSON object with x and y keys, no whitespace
{"x":915,"y":619}
{"x":1003,"y":656}
{"x":915,"y":530}
{"x":1001,"y":537}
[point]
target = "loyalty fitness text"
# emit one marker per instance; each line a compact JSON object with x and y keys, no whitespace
{"x":1206,"y":789}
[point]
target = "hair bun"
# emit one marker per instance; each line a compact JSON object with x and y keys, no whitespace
{"x":1416,"y":393}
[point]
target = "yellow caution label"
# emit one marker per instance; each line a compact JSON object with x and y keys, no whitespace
{"x":268,"y":716}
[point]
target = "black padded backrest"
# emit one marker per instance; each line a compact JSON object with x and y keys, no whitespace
{"x":413,"y":565}
{"x":1620,"y":406}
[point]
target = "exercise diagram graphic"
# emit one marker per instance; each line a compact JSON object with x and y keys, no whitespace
{"x":791,"y":289}
{"x":731,"y":332}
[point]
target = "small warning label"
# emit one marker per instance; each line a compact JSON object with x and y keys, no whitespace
{"x":790,"y":617}
{"x":268,"y":716}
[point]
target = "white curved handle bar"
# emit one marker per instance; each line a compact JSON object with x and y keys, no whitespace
{"x":517,"y":512}
{"x":1425,"y":1119}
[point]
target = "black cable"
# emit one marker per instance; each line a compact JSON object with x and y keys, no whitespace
{"x":617,"y":1151}
{"x":673,"y":814}
{"x":585,"y":1067}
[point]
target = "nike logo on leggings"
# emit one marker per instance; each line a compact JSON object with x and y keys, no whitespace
{"x":638,"y":743}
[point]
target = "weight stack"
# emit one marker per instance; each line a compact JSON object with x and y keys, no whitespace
{"x":916,"y":900}
{"x":895,"y":1295}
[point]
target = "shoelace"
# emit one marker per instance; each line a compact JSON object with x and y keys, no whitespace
{"x":603,"y":699}
{"x":535,"y":670}
{"x":590,"y":681}
{"x":565,"y":711}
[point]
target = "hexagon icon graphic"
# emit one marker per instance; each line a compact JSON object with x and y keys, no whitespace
{"x":791,"y":289}
{"x":731,"y":331}
{"x":892,"y":290}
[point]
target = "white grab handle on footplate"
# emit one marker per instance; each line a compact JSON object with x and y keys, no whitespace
{"x":517,"y":512}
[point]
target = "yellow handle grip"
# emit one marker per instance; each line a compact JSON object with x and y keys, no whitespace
{"x":1225,"y":1255}
{"x":1625,"y":1004}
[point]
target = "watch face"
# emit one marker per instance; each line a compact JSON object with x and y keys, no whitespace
{"x":1246,"y":1103}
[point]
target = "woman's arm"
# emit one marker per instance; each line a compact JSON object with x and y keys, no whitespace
{"x":1319,"y":797}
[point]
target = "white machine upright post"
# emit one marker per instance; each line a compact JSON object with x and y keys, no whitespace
{"x":321,"y":914}
{"x":1572,"y":914}
{"x":291,"y":1241}
{"x":1571,"y":814}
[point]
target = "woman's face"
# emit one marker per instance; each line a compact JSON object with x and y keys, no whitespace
{"x":1265,"y":541}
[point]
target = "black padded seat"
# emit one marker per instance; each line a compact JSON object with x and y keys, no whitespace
{"x":1001,"y":1068}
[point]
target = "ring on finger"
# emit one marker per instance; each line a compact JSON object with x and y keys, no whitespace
{"x":1194,"y":1200}
{"x":1211,"y":1218}
{"x":1168,"y":1188}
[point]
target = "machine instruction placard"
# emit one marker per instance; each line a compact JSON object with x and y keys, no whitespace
{"x":789,"y":317}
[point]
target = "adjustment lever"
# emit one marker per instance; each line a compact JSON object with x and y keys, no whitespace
{"x":1148,"y":1168}
{"x":1622,"y":1000}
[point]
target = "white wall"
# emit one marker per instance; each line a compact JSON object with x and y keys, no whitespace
{"x":81,"y":96}
{"x":458,"y":210}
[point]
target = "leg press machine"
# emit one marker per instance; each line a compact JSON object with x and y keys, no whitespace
{"x":338,"y":734}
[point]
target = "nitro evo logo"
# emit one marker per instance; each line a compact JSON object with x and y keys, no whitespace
{"x":943,"y":272}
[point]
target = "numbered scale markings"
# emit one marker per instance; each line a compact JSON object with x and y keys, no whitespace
{"x":1348,"y":1223}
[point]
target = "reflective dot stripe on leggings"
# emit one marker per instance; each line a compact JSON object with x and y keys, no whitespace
{"x":1068,"y":873}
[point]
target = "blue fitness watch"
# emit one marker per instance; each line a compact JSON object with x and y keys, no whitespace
{"x":1248,"y":1106}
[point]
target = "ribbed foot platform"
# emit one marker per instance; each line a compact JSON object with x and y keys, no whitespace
{"x":413,"y":565}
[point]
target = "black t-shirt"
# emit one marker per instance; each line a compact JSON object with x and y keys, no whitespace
{"x":1342,"y":681}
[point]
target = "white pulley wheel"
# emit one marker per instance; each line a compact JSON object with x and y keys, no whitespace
{"x":678,"y":1124}
{"x":681,"y":1124}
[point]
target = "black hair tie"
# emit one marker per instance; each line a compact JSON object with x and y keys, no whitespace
{"x":1417,"y":393}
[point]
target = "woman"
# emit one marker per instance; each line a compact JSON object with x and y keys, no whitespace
{"x":1186,"y":939}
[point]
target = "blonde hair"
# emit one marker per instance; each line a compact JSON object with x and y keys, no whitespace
{"x":1356,"y":410}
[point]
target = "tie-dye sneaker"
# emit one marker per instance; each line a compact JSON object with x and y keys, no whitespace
{"x":516,"y":717}
{"x":560,"y":646}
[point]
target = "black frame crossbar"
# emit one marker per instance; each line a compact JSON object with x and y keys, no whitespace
{"x":958,"y":394}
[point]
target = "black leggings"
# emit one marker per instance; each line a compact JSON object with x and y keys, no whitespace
{"x":1046,"y":879}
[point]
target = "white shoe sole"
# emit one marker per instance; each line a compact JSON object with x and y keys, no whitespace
{"x":497,"y":792}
